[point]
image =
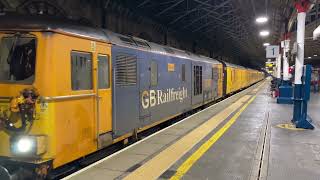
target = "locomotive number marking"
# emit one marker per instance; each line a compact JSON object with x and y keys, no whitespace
{"x":93,"y":46}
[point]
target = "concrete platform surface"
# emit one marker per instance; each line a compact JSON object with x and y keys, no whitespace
{"x":238,"y":138}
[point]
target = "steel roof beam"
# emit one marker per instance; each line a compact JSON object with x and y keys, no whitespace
{"x":212,"y":6}
{"x":143,"y":3}
{"x":170,"y":7}
{"x":205,"y":15}
{"x":223,"y":21}
{"x":228,"y":23}
{"x":187,"y":13}
{"x":211,"y":22}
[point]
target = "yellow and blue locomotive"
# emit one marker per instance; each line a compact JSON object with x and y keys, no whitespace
{"x":67,"y":90}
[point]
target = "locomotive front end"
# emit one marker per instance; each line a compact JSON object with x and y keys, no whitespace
{"x":24,"y":122}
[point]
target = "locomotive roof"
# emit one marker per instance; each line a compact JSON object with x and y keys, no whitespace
{"x":236,"y":66}
{"x":134,"y":42}
{"x":41,"y":23}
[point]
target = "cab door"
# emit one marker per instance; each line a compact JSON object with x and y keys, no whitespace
{"x":144,"y":86}
{"x":103,"y":92}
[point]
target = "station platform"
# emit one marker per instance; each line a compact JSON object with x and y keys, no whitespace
{"x":247,"y":136}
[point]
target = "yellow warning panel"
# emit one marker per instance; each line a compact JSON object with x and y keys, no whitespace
{"x":289,"y":126}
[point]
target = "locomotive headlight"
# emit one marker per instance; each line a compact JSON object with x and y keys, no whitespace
{"x":28,"y":146}
{"x":25,"y":145}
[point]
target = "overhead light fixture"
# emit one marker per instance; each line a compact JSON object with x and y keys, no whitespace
{"x":261,"y":19}
{"x":266,"y":44}
{"x":315,"y":55}
{"x":264,"y":33}
{"x":309,"y":57}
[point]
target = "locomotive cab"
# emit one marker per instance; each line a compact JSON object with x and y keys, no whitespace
{"x":22,"y":137}
{"x":55,"y":95}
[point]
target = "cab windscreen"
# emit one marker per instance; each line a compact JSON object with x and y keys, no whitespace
{"x":17,"y":59}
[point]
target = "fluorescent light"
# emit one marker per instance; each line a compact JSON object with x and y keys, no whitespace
{"x":261,"y":19}
{"x":264,"y":33}
{"x":309,"y":57}
{"x":266,"y":44}
{"x":315,"y":55}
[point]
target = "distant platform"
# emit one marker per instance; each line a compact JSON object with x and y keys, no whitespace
{"x":246,"y":136}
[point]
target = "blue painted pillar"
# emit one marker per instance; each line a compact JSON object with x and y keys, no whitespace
{"x":285,"y":89}
{"x":297,"y":102}
{"x":301,"y":87}
{"x":301,"y":19}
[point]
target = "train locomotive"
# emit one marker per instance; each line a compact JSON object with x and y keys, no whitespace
{"x":68,"y":90}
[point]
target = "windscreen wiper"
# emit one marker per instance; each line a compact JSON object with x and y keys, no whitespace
{"x":13,"y":47}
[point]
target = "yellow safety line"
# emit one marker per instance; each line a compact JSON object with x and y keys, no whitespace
{"x":207,"y":145}
{"x":161,"y":162}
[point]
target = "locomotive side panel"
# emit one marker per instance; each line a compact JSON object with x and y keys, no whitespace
{"x":229,"y":79}
{"x":209,"y":82}
{"x":126,"y":89}
{"x":197,"y":83}
{"x":220,"y":80}
{"x":75,"y":102}
{"x":170,"y":87}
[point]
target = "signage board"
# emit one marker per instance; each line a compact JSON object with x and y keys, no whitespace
{"x":272,"y":51}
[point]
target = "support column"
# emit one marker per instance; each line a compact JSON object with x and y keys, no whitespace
{"x":300,"y":102}
{"x":301,"y":19}
{"x":279,"y":67}
{"x":286,"y":48}
{"x":285,"y":90}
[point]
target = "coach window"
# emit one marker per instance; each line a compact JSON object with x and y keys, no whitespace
{"x":197,"y":72}
{"x":81,"y":70}
{"x":103,"y":72}
{"x":183,"y":72}
{"x":212,"y":73}
{"x":154,"y":73}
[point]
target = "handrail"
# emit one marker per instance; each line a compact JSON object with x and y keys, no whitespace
{"x":68,"y":97}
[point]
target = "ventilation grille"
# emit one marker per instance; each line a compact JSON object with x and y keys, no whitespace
{"x":126,"y":70}
{"x":133,"y":42}
{"x":127,"y":41}
{"x":142,"y":44}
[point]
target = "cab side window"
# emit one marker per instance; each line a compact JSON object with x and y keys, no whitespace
{"x":154,"y":73}
{"x":183,"y":72}
{"x":81,"y":71}
{"x":103,"y":72}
